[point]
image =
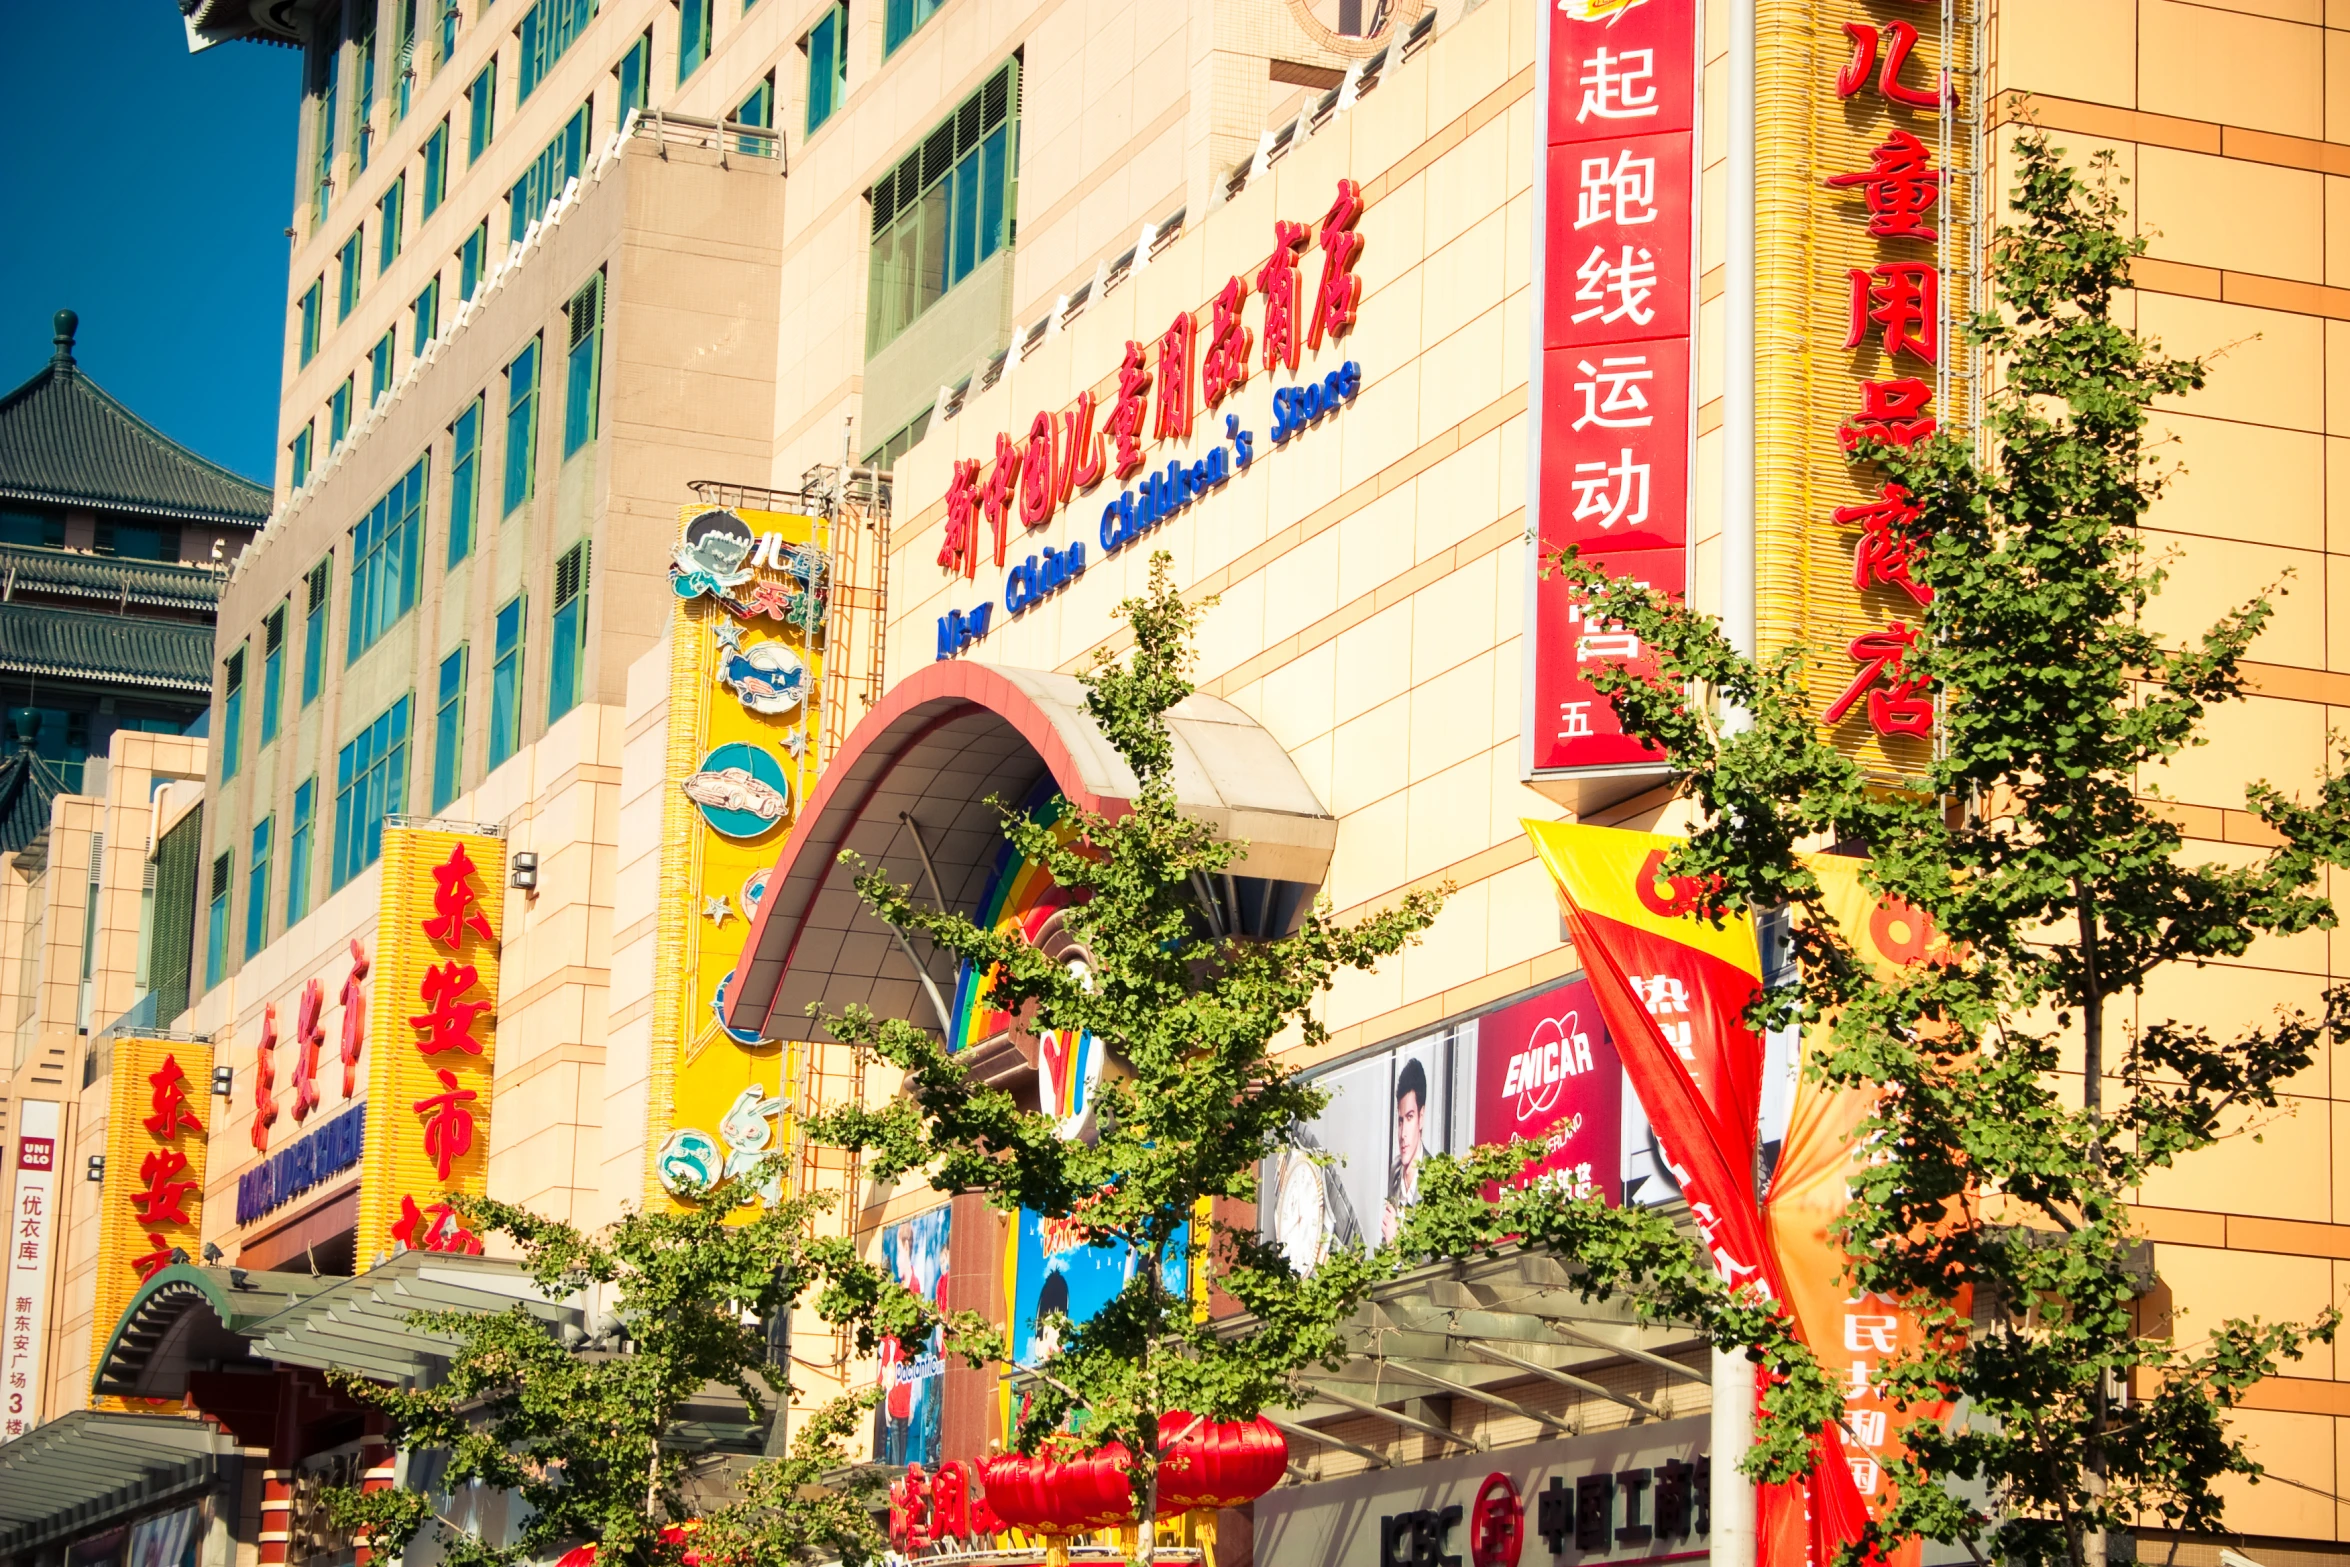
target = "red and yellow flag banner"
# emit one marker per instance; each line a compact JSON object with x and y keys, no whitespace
{"x":1673,"y":987}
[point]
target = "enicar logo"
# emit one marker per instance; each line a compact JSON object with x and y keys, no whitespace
{"x":1557,"y":1050}
{"x":37,"y":1153}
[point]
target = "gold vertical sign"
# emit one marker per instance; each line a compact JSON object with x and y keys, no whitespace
{"x":151,"y":1203}
{"x":1864,"y":211}
{"x":746,"y":663}
{"x":432,"y":1033}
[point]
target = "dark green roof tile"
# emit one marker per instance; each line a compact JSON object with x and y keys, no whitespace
{"x":72,"y":644}
{"x":106,"y":580}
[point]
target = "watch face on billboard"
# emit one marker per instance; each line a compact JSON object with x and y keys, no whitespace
{"x":1354,"y":1172}
{"x":1547,"y":1072}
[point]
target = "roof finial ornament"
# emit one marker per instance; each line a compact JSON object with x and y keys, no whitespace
{"x":66,"y":323}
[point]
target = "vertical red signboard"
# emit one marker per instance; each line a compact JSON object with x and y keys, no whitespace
{"x":1615,"y":251}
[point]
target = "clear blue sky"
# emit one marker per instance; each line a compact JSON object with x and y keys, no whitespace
{"x":149,"y":189}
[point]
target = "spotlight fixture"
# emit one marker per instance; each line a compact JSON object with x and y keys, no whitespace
{"x":525,"y":871}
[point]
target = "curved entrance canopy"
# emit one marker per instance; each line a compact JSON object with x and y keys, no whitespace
{"x":909,"y":793}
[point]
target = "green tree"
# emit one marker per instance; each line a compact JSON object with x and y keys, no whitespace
{"x":587,"y":1433}
{"x":2022,"y":1106}
{"x":1193,"y":1101}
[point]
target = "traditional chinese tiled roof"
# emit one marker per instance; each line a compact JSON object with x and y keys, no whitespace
{"x":72,"y":644}
{"x":27,"y":785}
{"x":65,"y":442}
{"x":104,"y":580}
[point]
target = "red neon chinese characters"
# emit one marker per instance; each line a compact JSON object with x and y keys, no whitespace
{"x":1039,"y":475}
{"x":1224,"y":367}
{"x":156,"y":1261}
{"x":1178,"y":348}
{"x":1886,"y":549}
{"x":1904,"y":300}
{"x":172,"y":1115}
{"x":1278,"y":283}
{"x":166,"y":1197}
{"x":1901,"y":188}
{"x":447,"y":1021}
{"x":1900,"y":39}
{"x":433,"y":1227}
{"x":1124,"y":426}
{"x":958,"y":549}
{"x":996,"y":499}
{"x":456,"y":905}
{"x":448,"y":1125}
{"x":265,"y":1079}
{"x":1081,"y":450}
{"x":1890,"y":411}
{"x":354,"y":1018}
{"x":1339,"y":291}
{"x":308,"y":1037}
{"x":1903,"y":706}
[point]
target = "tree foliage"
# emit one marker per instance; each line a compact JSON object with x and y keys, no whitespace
{"x":2030,"y":1086}
{"x":1189,"y":1012}
{"x":585,"y":1431}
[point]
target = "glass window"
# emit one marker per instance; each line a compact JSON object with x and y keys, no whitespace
{"x":482,"y":121}
{"x":363,"y":101}
{"x":318,"y":589}
{"x":567,"y":634}
{"x":758,"y":109}
{"x":473,"y":259}
{"x":347,"y":278}
{"x":298,"y":458}
{"x":257,"y":890}
{"x":436,"y":171}
{"x":635,"y":73}
{"x":693,"y":36}
{"x":232,"y":713}
{"x":403,"y":51}
{"x":506,"y":684}
{"x":387,"y":234}
{"x":313,"y":311}
{"x":130,"y":541}
{"x":464,"y":480}
{"x":385,"y":550}
{"x":828,"y":65}
{"x":945,"y":209}
{"x":273,"y":671}
{"x":445,"y":33}
{"x":298,"y":851}
{"x":371,"y":783}
{"x":548,"y":29}
{"x":338,"y":415}
{"x":40,"y":529}
{"x":522,"y":426}
{"x":379,"y":369}
{"x":901,"y":19}
{"x":326,"y":74}
{"x":448,"y":732}
{"x":555,"y":167}
{"x":428,"y":319}
{"x":216,"y":926}
{"x":583,"y":376}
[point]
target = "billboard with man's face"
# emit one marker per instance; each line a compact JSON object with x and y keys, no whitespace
{"x":1355,"y":1170}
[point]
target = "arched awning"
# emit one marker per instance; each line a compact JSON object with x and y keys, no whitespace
{"x":909,"y":793}
{"x":188,"y":1318}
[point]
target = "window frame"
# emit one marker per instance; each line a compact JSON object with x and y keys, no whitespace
{"x":378,"y":789}
{"x":298,"y":455}
{"x":522,"y":428}
{"x":972,"y":201}
{"x":387,"y":548}
{"x":338,"y":414}
{"x":481,"y":112}
{"x":232,"y":712}
{"x":383,"y":362}
{"x":567,"y":631}
{"x":428,"y":317}
{"x":257,"y":888}
{"x":636,"y":95}
{"x":695,"y":20}
{"x":436,"y":172}
{"x":216,"y":911}
{"x":315,"y":617}
{"x":465,"y":466}
{"x":448,"y":727}
{"x":916,"y":14}
{"x":473,"y":261}
{"x":583,"y":367}
{"x":833,"y":65}
{"x":311,"y":313}
{"x":348,"y":281}
{"x":390,"y":213}
{"x":298,"y":850}
{"x":273,"y":670}
{"x":507,"y":672}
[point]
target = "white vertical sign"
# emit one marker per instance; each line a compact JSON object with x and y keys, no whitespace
{"x":32,"y":1225}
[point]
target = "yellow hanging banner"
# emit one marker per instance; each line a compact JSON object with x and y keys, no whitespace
{"x":151,"y":1203}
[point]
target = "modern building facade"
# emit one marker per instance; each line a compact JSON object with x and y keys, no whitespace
{"x":894,"y":278}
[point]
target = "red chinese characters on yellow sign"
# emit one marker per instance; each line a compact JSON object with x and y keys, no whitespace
{"x":433,"y":1038}
{"x":151,"y":1206}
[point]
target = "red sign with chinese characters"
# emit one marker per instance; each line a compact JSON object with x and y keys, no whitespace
{"x":1616,"y":305}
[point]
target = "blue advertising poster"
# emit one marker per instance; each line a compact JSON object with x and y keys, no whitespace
{"x":1053,"y":1272}
{"x":905,"y":1427}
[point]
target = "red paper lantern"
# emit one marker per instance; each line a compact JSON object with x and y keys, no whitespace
{"x":1212,"y":1464}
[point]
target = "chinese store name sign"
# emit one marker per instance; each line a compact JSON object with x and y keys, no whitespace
{"x":1617,"y":296}
{"x":151,"y":1205}
{"x":432,"y":1038}
{"x":33,"y":1224}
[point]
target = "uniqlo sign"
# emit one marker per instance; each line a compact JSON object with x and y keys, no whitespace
{"x":1618,"y":263}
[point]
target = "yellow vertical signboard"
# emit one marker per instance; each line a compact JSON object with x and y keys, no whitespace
{"x":151,"y":1204}
{"x":432,"y":1034}
{"x":746,"y":666}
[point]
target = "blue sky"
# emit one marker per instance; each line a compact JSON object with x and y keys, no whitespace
{"x":184,"y":163}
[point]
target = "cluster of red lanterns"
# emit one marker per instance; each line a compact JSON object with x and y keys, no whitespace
{"x":1206,"y":1465}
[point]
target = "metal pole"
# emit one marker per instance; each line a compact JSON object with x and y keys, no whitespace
{"x":1733,"y":1434}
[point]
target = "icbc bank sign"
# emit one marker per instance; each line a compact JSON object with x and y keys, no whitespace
{"x":1618,"y":267}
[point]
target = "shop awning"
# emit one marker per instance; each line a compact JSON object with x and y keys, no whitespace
{"x":87,"y":1468}
{"x":187,"y":1318}
{"x":912,"y":793}
{"x":362,"y":1324}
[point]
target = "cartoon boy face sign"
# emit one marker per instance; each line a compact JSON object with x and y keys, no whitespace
{"x":709,"y":558}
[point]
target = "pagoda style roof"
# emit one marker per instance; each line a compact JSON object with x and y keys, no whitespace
{"x":105,"y":579}
{"x":65,"y":442}
{"x":77,"y":645}
{"x":27,"y":785}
